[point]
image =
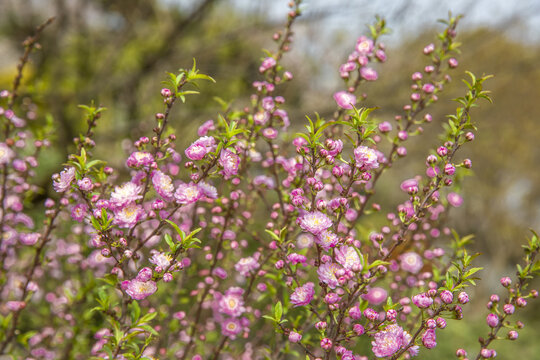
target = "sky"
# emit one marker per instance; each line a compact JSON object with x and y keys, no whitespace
{"x":404,"y":16}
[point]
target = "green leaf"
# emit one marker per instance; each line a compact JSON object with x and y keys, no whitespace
{"x":278,"y":311}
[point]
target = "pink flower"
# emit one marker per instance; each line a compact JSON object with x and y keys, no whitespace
{"x":6,"y":154}
{"x":208,"y":190}
{"x":327,"y":240}
{"x":139,"y":290}
{"x":231,"y":328}
{"x":411,"y":262}
{"x":266,"y":64}
{"x":246,"y":265}
{"x":388,"y":341}
{"x":204,"y":128}
{"x":15,"y":305}
{"x":231,"y":304}
{"x":79,"y":211}
{"x":423,"y":301}
{"x":294,"y":337}
{"x":366,"y":158}
{"x":29,"y":239}
{"x":163,"y":185}
{"x":492,"y":320}
{"x":375,"y":296}
{"x":187,"y":193}
{"x":161,"y":259}
{"x":364,"y":46}
{"x":139,"y":159}
{"x":327,"y":274}
{"x":314,"y":222}
{"x":303,"y":295}
{"x":230,"y":162}
{"x":447,"y":297}
{"x":304,"y":240}
{"x":62,"y":181}
{"x":408,"y":184}
{"x":429,"y":339}
{"x":348,"y":257}
{"x":128,"y":215}
{"x":127,"y":193}
{"x":368,"y":74}
{"x":345,"y":100}
{"x":454,"y":199}
{"x":201,"y":147}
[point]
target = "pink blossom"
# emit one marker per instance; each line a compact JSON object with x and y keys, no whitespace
{"x":187,"y":193}
{"x":201,"y":147}
{"x":423,"y":301}
{"x":294,"y":337}
{"x":327,"y":274}
{"x":6,"y":154}
{"x":230,"y":162}
{"x":304,"y":240}
{"x":62,"y":181}
{"x":369,"y":74}
{"x":161,"y":259}
{"x":364,"y":46}
{"x":454,"y":199}
{"x":208,"y":190}
{"x":29,"y":239}
{"x":246,"y":265}
{"x":408,"y":184}
{"x":345,"y":100}
{"x":163,"y":185}
{"x":327,"y":240}
{"x":231,"y":304}
{"x":429,"y":339}
{"x":267,"y":63}
{"x":79,"y":211}
{"x":15,"y":305}
{"x":388,"y":341}
{"x":314,"y":222}
{"x":127,"y":193}
{"x":492,"y":320}
{"x":231,"y":327}
{"x":139,"y":159}
{"x":348,"y":257}
{"x":128,"y":215}
{"x":366,"y":158}
{"x":204,"y":128}
{"x":411,"y":262}
{"x":375,"y":296}
{"x":303,"y":295}
{"x":139,"y":290}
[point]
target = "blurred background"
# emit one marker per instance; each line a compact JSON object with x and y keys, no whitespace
{"x":116,"y":53}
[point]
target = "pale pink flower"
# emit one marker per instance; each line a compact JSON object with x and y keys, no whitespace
{"x":62,"y":181}
{"x":348,"y":257}
{"x":411,"y":262}
{"x":388,"y":341}
{"x":327,"y":274}
{"x":127,"y":193}
{"x":314,"y":222}
{"x":303,"y":295}
{"x":139,"y":290}
{"x":345,"y":100}
{"x":229,"y":161}
{"x":187,"y":193}
{"x":139,"y":159}
{"x":128,"y":215}
{"x":366,"y":158}
{"x":163,"y":185}
{"x":327,"y":240}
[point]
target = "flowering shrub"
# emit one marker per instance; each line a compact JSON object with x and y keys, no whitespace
{"x":262,"y":244}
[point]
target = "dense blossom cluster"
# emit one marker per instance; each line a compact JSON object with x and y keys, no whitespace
{"x":121,"y":250}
